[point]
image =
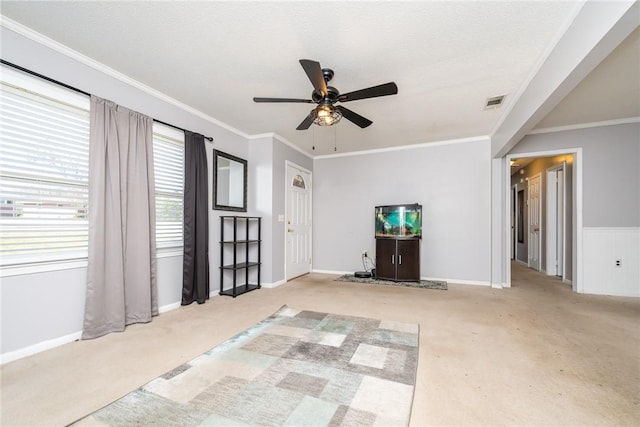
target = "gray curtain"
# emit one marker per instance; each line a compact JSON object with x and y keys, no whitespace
{"x":195,"y":274}
{"x":121,"y":282}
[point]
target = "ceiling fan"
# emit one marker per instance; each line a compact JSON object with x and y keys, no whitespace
{"x":326,"y":113}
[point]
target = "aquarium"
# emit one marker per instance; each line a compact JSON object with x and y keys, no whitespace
{"x":399,"y":221}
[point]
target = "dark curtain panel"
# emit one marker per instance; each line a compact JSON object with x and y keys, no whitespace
{"x":195,"y":275}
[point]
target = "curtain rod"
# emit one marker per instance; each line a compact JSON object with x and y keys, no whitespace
{"x":49,"y":79}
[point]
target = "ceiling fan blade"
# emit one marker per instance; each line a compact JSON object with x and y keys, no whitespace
{"x":307,"y":121}
{"x":371,"y":92}
{"x":307,"y":101}
{"x":354,"y":117}
{"x":314,"y":72}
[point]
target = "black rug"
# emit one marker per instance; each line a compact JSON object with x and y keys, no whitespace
{"x":424,"y":284}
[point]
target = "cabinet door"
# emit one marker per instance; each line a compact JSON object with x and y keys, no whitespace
{"x":386,"y":259}
{"x":408,"y":260}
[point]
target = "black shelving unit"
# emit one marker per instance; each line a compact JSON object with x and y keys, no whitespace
{"x":240,"y":269}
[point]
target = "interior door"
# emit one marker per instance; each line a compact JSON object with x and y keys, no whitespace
{"x":298,"y":222}
{"x":555,"y":222}
{"x":534,"y":202}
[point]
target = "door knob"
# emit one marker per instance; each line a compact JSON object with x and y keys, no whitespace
{"x":289,"y":230}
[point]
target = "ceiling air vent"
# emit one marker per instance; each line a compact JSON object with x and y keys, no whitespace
{"x":494,"y":102}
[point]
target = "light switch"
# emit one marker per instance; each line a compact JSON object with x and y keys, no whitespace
{"x":281,"y":218}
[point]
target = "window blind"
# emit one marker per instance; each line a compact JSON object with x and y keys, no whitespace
{"x":44,"y":151}
{"x":168,"y":158}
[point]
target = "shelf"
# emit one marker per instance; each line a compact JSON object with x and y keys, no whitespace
{"x":239,"y":290}
{"x":244,"y":244}
{"x":240,"y":265}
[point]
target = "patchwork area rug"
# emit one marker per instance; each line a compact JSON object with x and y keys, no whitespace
{"x":425,"y":284}
{"x":295,"y":368}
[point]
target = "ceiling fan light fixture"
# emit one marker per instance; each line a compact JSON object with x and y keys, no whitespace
{"x":327,"y":115}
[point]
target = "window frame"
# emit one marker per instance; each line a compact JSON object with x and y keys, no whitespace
{"x":42,"y":91}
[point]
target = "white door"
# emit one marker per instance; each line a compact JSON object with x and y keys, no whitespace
{"x":555,"y":222}
{"x":534,"y":202}
{"x":298,"y":222}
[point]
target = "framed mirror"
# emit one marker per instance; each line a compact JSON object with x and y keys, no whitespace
{"x":229,"y":182}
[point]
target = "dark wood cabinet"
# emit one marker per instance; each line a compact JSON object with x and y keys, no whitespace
{"x":398,"y":259}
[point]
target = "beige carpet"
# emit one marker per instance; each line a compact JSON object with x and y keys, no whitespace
{"x":535,"y":354}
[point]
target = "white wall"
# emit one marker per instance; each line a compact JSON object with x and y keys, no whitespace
{"x":451,"y":180}
{"x":40,"y":310}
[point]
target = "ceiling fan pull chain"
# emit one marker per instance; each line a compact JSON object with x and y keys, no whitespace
{"x":335,"y":137}
{"x":313,"y":142}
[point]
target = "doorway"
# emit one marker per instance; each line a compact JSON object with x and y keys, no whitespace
{"x":297,"y":221}
{"x":570,"y":229}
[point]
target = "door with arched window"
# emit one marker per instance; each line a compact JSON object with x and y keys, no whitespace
{"x":298,"y":222}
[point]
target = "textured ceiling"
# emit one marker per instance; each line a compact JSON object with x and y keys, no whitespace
{"x":447,"y":58}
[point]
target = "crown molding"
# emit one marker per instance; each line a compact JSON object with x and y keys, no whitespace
{"x":282,"y":140}
{"x":407,"y":147}
{"x":98,"y":66}
{"x":585,"y":125}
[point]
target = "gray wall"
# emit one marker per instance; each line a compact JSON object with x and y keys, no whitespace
{"x":610,"y":169}
{"x":451,"y":181}
{"x":46,"y":306}
{"x":267,"y":162}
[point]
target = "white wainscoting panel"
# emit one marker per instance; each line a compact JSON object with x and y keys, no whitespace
{"x":602,"y":248}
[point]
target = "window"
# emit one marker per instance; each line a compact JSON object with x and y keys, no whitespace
{"x":168,"y":159}
{"x":44,"y":157}
{"x":298,"y":181}
{"x":44,"y":173}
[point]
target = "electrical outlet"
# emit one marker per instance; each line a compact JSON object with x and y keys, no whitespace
{"x":365,"y":253}
{"x":618,"y":263}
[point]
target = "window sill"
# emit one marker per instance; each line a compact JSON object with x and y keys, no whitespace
{"x":46,"y":266}
{"x":42,"y":267}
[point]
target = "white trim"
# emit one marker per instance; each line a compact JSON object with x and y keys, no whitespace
{"x":57,"y":342}
{"x":274,"y":284}
{"x":168,"y":307}
{"x":281,"y":139}
{"x":169,"y":252}
{"x":461,"y":281}
{"x":39,"y":347}
{"x":98,"y":66}
{"x":42,"y":267}
{"x":585,"y":125}
{"x":341,"y":273}
{"x":449,"y":281}
{"x":406,"y":147}
{"x":577,"y":267}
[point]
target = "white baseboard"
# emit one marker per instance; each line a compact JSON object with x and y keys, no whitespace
{"x":57,"y":342}
{"x":39,"y":347}
{"x":274,"y":284}
{"x":460,"y":281}
{"x":168,"y":307}
{"x":331,"y":272}
{"x":456,"y":281}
